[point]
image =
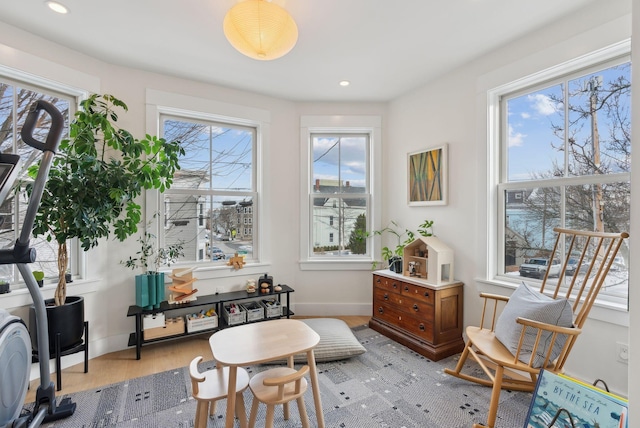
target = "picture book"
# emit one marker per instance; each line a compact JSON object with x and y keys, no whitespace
{"x":586,"y":405}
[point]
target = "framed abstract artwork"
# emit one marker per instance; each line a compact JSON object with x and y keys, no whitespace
{"x":427,"y":176}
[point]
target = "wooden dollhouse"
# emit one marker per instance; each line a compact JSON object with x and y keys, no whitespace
{"x":428,"y":258}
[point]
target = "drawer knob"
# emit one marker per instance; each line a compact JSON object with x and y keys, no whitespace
{"x":380,"y":310}
{"x":421,"y":327}
{"x":426,"y":294}
{"x":406,"y":288}
{"x":386,"y":296}
{"x":415,"y":307}
{"x":378,"y":280}
{"x":395,"y":285}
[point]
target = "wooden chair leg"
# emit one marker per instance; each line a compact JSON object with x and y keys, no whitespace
{"x":270,"y":413}
{"x":202,"y":413}
{"x":303,"y":412}
{"x":254,"y":413}
{"x":495,"y":397}
{"x":285,"y":410}
{"x":241,"y":411}
{"x":212,"y":407}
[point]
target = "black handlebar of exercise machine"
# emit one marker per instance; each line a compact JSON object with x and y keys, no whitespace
{"x":22,"y":254}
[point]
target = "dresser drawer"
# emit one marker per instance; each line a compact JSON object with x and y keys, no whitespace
{"x":381,"y":295}
{"x":416,"y":308}
{"x":415,"y":325}
{"x":423,"y":294}
{"x":388,"y":284}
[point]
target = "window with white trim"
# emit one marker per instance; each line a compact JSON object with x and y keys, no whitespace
{"x":340,"y":200}
{"x":563,"y":139}
{"x":16,"y":96}
{"x":214,"y":193}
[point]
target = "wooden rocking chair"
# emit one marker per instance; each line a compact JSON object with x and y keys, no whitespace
{"x":537,"y":344}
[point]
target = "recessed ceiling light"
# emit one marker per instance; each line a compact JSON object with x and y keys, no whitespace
{"x":344,"y":83}
{"x":57,"y":7}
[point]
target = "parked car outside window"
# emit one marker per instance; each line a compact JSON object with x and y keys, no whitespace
{"x":217,"y":254}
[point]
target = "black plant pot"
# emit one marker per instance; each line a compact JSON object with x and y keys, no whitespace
{"x":68,"y":320}
{"x":395,"y":264}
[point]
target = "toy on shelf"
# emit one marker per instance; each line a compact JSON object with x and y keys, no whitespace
{"x":182,"y":287}
{"x":236,"y":261}
{"x":251,"y":285}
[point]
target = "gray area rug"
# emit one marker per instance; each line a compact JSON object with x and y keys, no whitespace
{"x":388,"y":386}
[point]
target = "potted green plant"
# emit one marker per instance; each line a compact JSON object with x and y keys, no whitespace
{"x":39,"y":277}
{"x":5,"y":287}
{"x":95,"y":178}
{"x":150,"y":286}
{"x":393,"y":256}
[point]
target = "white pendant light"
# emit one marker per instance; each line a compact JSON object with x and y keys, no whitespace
{"x":260,"y":29}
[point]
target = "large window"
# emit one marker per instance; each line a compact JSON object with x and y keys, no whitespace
{"x":339,"y":188}
{"x":339,"y":193}
{"x":15,"y":99}
{"x":565,"y":157}
{"x":213,"y":199}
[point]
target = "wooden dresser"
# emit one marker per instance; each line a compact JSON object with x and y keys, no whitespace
{"x":424,"y":317}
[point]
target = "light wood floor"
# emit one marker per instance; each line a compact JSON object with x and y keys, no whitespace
{"x":155,"y":358}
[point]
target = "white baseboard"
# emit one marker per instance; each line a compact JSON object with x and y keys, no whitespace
{"x":96,"y":348}
{"x":331,"y":309}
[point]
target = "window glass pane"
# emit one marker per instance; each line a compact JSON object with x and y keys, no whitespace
{"x":340,"y":162}
{"x":535,"y":140}
{"x":224,"y":228}
{"x":6,"y":118}
{"x":529,"y":221}
{"x":14,"y":107}
{"x":600,"y":122}
{"x":335,"y":226}
{"x":218,"y":156}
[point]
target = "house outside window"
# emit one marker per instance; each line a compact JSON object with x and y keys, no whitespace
{"x":15,"y":98}
{"x":215,"y":187}
{"x":340,"y":158}
{"x":565,"y":157}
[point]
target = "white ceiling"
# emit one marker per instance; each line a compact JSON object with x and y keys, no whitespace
{"x":385,"y":48}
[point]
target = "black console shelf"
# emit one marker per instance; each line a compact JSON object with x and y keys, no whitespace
{"x":217,"y":300}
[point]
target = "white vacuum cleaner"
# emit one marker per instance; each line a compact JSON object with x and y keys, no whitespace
{"x":15,"y":343}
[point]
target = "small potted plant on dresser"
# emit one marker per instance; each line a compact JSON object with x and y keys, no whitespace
{"x":393,"y":256}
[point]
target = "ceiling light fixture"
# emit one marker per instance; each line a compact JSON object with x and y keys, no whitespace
{"x":57,"y":7}
{"x":344,"y":83}
{"x":260,"y":29}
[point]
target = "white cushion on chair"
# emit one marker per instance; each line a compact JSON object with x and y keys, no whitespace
{"x":526,"y":302}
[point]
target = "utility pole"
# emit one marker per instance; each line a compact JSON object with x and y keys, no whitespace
{"x":593,"y":85}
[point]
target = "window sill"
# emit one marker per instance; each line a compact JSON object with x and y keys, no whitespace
{"x":21,"y":297}
{"x":333,"y":264}
{"x":606,"y":311}
{"x":226,"y":271}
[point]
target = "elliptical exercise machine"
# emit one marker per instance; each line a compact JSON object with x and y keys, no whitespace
{"x":15,"y":343}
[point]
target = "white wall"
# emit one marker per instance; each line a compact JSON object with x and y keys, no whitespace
{"x":109,"y":289}
{"x":452,"y":109}
{"x":449,"y":109}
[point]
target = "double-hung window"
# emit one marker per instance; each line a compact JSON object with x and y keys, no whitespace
{"x":214,"y":194}
{"x":340,"y":203}
{"x":15,"y":99}
{"x":565,"y":155}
